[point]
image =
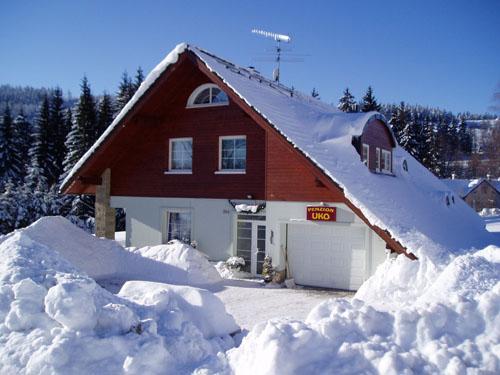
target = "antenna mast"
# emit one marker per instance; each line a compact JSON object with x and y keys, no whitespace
{"x":278,"y":38}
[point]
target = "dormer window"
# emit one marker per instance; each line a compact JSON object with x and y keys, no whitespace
{"x":386,"y":161}
{"x":365,"y":154}
{"x":207,"y":95}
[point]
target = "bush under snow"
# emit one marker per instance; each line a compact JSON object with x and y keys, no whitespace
{"x":54,"y":319}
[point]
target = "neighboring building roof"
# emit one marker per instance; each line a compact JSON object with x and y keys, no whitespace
{"x":411,"y":206}
{"x":463,"y":187}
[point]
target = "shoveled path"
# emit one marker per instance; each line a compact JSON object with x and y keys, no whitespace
{"x":250,"y":302}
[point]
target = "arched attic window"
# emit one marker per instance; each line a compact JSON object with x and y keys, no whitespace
{"x":207,"y":95}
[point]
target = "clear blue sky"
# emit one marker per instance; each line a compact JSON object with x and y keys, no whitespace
{"x":440,"y":53}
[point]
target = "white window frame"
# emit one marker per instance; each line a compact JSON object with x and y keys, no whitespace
{"x":198,"y":90}
{"x":377,"y":159}
{"x":230,"y":171}
{"x":167,"y":212}
{"x":367,"y":161}
{"x":385,"y":169}
{"x":170,"y":149}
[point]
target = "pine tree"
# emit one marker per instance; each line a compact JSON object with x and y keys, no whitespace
{"x":126,"y":90}
{"x":8,"y":208}
{"x":139,"y":77}
{"x":22,"y":135}
{"x":369,"y":102}
{"x":86,"y":115}
{"x":104,"y":113}
{"x":347,"y":103}
{"x":58,"y":132}
{"x":399,"y":120}
{"x":464,"y":138}
{"x":10,"y":164}
{"x":315,"y":93}
{"x":409,"y":137}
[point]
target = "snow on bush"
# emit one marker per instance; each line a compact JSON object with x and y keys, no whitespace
{"x":487,"y":212}
{"x":439,"y":314}
{"x":104,"y":259}
{"x":232,"y":268}
{"x":54,"y":319}
{"x":197,"y":269}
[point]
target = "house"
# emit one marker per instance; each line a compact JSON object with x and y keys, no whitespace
{"x":478,"y":193}
{"x":218,"y":155}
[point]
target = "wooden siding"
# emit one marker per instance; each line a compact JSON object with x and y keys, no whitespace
{"x":376,"y":134}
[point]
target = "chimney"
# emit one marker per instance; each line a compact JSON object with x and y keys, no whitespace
{"x":453,"y":175}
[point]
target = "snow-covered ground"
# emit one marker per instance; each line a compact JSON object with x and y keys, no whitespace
{"x":270,"y":303}
{"x":440,"y":314}
{"x":493,"y":223}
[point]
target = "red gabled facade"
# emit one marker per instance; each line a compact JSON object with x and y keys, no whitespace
{"x":137,"y":151}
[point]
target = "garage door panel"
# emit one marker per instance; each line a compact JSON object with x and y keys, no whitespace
{"x":331,"y":256}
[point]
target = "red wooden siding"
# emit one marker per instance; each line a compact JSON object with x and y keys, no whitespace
{"x":376,"y":134}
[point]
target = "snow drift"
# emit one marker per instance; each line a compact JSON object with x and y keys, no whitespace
{"x":55,"y":319}
{"x":104,"y":259}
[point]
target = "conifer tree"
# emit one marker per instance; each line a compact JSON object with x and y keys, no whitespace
{"x":9,"y":158}
{"x":104,"y":113}
{"x":139,"y":77}
{"x":399,"y":120}
{"x":8,"y":208}
{"x":464,"y":138}
{"x":409,"y":137}
{"x":347,"y":102}
{"x":58,"y":132}
{"x":126,"y":90}
{"x":369,"y":102}
{"x":86,"y":115}
{"x":22,"y":135}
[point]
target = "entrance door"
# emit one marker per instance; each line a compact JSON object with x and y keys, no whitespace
{"x":251,"y":244}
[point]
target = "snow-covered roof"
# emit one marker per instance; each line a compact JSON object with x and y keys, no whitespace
{"x":463,"y":187}
{"x":411,"y":205}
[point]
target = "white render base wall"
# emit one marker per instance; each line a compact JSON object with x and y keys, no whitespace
{"x":212,"y":222}
{"x":214,"y":227}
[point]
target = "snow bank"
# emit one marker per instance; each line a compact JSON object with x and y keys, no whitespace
{"x":487,"y":212}
{"x":197,"y":269}
{"x":447,"y":322}
{"x":104,"y":259}
{"x":56,"y":320}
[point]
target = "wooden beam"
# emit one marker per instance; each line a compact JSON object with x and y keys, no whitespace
{"x":90,"y":180}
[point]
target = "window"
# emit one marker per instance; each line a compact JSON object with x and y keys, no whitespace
{"x":179,"y":226}
{"x":386,"y":161}
{"x":232,"y":154}
{"x":365,"y":155}
{"x":207,"y":95}
{"x":377,"y":159}
{"x":181,"y":155}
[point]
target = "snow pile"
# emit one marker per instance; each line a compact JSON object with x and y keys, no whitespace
{"x":55,"y":319}
{"x":104,"y":259}
{"x":232,"y":268}
{"x":247,"y":208}
{"x":447,"y":322}
{"x":197,"y":269}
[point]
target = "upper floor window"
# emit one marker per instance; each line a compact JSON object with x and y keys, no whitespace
{"x":181,"y":155}
{"x":207,"y":95}
{"x":386,"y":161}
{"x":365,"y":155}
{"x":232,"y":154}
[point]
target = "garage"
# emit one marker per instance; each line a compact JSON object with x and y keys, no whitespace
{"x":330,"y":255}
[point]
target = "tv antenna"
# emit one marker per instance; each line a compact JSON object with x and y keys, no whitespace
{"x":279,"y":38}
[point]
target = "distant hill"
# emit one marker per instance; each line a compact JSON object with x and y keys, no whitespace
{"x":28,"y":98}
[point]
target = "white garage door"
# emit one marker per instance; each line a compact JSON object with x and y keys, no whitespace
{"x":327,"y":255}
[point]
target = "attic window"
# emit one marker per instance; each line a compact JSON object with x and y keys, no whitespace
{"x":207,"y":95}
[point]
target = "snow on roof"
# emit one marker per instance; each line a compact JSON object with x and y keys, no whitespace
{"x":411,"y":205}
{"x":463,"y":187}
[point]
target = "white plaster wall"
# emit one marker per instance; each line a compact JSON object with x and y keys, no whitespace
{"x":212,"y":222}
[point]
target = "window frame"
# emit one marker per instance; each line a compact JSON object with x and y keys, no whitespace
{"x":377,"y":159}
{"x":199,"y":90}
{"x":367,"y":161}
{"x":231,"y":171}
{"x":175,"y":210}
{"x":385,"y":169}
{"x":170,"y":152}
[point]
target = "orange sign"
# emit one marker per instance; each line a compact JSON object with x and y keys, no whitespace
{"x":321,"y":213}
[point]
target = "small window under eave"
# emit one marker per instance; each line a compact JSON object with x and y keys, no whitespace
{"x":207,"y":95}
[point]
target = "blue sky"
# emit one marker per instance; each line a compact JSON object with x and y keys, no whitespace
{"x":440,"y":53}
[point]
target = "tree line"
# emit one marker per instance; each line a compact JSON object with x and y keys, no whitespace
{"x":440,"y":140}
{"x":35,"y":157}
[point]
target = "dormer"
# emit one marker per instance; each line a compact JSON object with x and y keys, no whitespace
{"x":375,"y":146}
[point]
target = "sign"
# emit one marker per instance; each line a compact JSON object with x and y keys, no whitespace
{"x":321,"y":213}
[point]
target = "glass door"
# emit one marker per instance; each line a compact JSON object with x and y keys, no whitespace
{"x":251,"y":245}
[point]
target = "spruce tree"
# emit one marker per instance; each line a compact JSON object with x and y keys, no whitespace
{"x":126,"y":90}
{"x":58,"y":131}
{"x":104,"y":113}
{"x":86,"y":115}
{"x":8,"y":208}
{"x":22,"y":131}
{"x":139,"y":77}
{"x":464,"y":138}
{"x":369,"y":102}
{"x":399,"y":120}
{"x":10,"y":164}
{"x":347,"y":103}
{"x":409,"y":137}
